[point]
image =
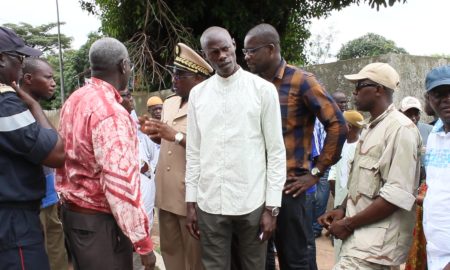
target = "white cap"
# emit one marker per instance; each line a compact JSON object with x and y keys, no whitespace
{"x":410,"y":102}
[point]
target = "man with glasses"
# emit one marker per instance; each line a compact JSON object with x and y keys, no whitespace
{"x":27,"y":141}
{"x":436,"y":206}
{"x":179,"y":249}
{"x":375,"y":221}
{"x":103,"y":216}
{"x":302,"y":99}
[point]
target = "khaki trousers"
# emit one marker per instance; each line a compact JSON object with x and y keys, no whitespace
{"x":352,"y":263}
{"x":180,"y":251}
{"x":54,"y":238}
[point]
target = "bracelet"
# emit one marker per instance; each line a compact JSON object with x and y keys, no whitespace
{"x":347,"y":225}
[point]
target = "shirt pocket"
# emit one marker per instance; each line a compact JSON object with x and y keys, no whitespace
{"x":369,"y":183}
{"x":371,"y":238}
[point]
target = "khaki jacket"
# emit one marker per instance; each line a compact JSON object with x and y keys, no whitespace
{"x":386,"y":164}
{"x":171,"y":168}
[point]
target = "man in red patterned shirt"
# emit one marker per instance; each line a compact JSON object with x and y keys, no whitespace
{"x":103,"y":215}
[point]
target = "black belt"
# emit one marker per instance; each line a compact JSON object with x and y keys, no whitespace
{"x":26,"y":205}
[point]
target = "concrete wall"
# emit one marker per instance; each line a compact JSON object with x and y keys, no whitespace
{"x":412,"y":70}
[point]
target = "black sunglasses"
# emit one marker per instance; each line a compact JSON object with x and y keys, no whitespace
{"x":359,"y":85}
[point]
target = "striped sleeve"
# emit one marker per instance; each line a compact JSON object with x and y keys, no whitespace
{"x":20,"y":134}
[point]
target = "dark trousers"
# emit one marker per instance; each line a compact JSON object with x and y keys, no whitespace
{"x":216,"y":235}
{"x":320,"y":204}
{"x":291,"y":238}
{"x":96,"y":241}
{"x":311,"y":239}
{"x":21,"y":240}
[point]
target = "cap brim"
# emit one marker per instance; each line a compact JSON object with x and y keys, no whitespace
{"x":410,"y":107}
{"x":435,"y":84}
{"x":28,"y":51}
{"x":355,"y":77}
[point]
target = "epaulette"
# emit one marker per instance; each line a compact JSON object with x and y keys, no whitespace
{"x":6,"y":88}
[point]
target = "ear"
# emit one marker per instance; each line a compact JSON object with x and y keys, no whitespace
{"x":2,"y":60}
{"x":380,"y":90}
{"x":27,"y":78}
{"x":122,"y":66}
{"x":234,"y":43}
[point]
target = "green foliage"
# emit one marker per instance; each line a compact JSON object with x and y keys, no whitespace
{"x":76,"y":64}
{"x":39,"y":36}
{"x":368,"y":45}
{"x":159,"y":24}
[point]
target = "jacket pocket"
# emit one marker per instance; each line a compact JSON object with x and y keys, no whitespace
{"x":369,"y":183}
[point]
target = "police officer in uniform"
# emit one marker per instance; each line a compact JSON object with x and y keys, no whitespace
{"x":179,"y":249}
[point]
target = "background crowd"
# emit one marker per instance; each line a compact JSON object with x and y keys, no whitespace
{"x":238,"y":163}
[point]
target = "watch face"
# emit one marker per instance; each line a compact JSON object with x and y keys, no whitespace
{"x":275,"y":211}
{"x":315,"y":171}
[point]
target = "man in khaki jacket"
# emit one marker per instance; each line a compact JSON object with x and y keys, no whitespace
{"x":179,"y":249}
{"x":375,"y":222}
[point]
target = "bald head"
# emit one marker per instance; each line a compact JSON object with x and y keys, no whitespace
{"x":265,"y":33}
{"x":220,"y":50}
{"x":213,"y":32}
{"x":106,"y":53}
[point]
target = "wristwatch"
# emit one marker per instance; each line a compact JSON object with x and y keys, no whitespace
{"x":316,"y":172}
{"x":179,"y":137}
{"x":274,"y":211}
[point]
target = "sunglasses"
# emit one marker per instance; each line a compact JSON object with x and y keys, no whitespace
{"x":359,"y":86}
{"x":21,"y":57}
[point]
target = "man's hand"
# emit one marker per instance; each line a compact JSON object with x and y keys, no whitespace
{"x":164,"y":131}
{"x":146,"y":125}
{"x":148,"y":261}
{"x":191,"y":220}
{"x":341,"y":229}
{"x":329,"y":217}
{"x":26,"y":98}
{"x":267,"y":224}
{"x":298,"y":184}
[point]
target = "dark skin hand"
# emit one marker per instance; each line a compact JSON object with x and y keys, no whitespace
{"x":331,"y":216}
{"x":57,"y":155}
{"x":344,"y":227}
{"x":447,"y":267}
{"x":296,"y":185}
{"x":191,"y":220}
{"x":145,"y":168}
{"x":158,"y":130}
{"x":148,"y":260}
{"x":267,"y":224}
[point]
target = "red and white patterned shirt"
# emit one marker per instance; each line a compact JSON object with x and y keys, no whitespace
{"x":101,"y":171}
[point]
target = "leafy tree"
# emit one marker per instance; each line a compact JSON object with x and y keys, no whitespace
{"x":318,"y":47}
{"x":39,"y":36}
{"x":153,"y":27}
{"x":76,"y":65}
{"x":368,"y":45}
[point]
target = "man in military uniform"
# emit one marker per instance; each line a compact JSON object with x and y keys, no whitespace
{"x":375,"y":221}
{"x":179,"y":249}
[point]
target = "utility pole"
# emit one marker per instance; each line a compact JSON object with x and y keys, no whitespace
{"x":61,"y":71}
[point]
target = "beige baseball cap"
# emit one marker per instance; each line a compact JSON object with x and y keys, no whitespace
{"x":381,"y":73}
{"x":410,"y":102}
